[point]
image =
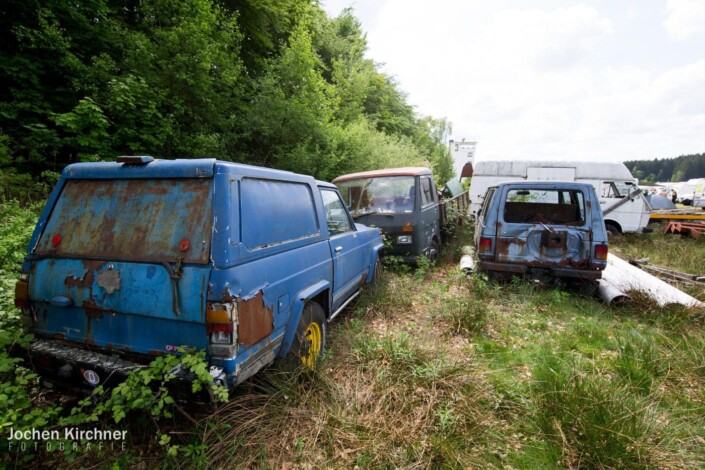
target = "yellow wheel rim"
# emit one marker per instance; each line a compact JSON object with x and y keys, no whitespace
{"x":313,"y":338}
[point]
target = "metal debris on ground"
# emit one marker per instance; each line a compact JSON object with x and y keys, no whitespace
{"x":669,"y":275}
{"x":677,"y":214}
{"x":693,"y":229}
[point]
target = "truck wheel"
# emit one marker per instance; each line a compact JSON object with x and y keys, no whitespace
{"x":434,"y":250}
{"x":612,"y":230}
{"x":310,"y":340}
{"x":376,"y":273}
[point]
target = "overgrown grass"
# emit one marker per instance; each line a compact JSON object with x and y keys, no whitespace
{"x":441,"y":370}
{"x":436,"y":369}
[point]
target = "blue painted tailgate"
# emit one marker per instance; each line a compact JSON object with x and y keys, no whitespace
{"x":118,"y":257}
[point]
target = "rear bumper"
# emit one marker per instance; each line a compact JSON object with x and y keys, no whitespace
{"x":71,"y":367}
{"x":552,"y":271}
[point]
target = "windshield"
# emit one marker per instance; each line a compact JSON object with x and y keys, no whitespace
{"x":136,"y":219}
{"x":624,"y":187}
{"x":383,"y":195}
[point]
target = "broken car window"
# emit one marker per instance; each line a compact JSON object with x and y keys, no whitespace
{"x":545,"y":207}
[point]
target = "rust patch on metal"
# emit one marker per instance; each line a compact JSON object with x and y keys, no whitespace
{"x":58,"y":336}
{"x":503,"y":245}
{"x":133,"y":228}
{"x":255,"y":320}
{"x":92,"y":309}
{"x":109,"y":280}
{"x":554,"y":239}
{"x":88,"y":277}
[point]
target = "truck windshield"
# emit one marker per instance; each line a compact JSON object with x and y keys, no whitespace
{"x":383,"y":195}
{"x":136,"y":219}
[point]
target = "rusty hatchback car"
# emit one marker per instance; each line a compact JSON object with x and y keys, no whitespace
{"x":141,"y":257}
{"x":544,"y":231}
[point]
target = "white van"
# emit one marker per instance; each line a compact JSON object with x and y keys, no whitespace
{"x":624,"y":207}
{"x":698,"y":192}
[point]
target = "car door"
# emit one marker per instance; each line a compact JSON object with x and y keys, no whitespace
{"x":347,"y":251}
{"x":430,"y":217}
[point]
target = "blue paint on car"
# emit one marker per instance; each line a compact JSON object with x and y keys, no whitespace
{"x":541,"y":231}
{"x":137,"y":259}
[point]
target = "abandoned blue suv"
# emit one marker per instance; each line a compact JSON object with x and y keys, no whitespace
{"x":138,"y":258}
{"x":543,"y":231}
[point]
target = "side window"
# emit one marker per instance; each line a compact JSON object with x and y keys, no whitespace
{"x":336,"y":216}
{"x":486,"y":204}
{"x":609,"y":190}
{"x":426,"y":192}
{"x":273,"y":212}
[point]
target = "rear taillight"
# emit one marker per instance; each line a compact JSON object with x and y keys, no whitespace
{"x":22,"y":293}
{"x":601,"y":252}
{"x":221,"y":319}
{"x":43,"y":362}
{"x":485,"y":245}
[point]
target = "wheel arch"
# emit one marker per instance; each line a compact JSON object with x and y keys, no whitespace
{"x":319,"y":293}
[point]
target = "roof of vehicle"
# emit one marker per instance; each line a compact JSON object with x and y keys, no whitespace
{"x":181,"y":168}
{"x":545,"y":184}
{"x":583,"y":169}
{"x":403,"y":171}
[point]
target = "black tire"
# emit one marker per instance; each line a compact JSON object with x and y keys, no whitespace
{"x":612,"y":230}
{"x":376,"y":273}
{"x":434,"y":250}
{"x":310,"y":340}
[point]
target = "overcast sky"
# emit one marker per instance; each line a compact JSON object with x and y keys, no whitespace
{"x":546,"y":79}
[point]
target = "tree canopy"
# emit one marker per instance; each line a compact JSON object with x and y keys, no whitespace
{"x":264,"y":82}
{"x":681,"y":168}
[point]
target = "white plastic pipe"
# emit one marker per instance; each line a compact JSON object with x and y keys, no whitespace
{"x":610,"y":294}
{"x":624,"y":277}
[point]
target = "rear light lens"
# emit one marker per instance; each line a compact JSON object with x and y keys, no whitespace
{"x":220,"y":337}
{"x":407,"y":228}
{"x":43,"y":362}
{"x":56,"y":240}
{"x":22,"y":294}
{"x":221,"y":319}
{"x":601,"y":252}
{"x":485,"y":245}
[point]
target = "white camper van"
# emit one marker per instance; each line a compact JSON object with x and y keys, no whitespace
{"x":624,"y":206}
{"x":698,"y":192}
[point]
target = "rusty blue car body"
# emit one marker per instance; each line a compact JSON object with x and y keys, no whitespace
{"x":542,"y":231}
{"x":134,"y":260}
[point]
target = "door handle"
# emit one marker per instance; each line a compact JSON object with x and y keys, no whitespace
{"x":338,"y":249}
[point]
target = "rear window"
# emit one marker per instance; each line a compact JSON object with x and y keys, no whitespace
{"x":552,"y":207}
{"x":136,"y":219}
